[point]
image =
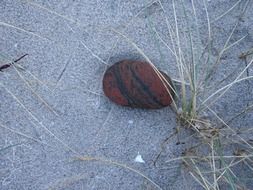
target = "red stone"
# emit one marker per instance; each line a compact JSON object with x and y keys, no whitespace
{"x":136,"y":84}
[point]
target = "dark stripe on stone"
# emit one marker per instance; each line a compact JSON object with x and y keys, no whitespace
{"x":122,"y":87}
{"x":146,"y":90}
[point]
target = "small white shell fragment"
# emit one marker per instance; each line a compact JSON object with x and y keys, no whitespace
{"x":130,"y":121}
{"x":139,"y":159}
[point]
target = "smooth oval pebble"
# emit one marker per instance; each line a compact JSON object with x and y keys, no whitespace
{"x":136,"y":84}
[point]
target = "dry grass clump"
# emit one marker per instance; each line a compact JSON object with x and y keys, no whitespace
{"x":219,"y":153}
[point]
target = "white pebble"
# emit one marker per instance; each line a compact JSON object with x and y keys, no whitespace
{"x":130,"y":121}
{"x":139,"y":159}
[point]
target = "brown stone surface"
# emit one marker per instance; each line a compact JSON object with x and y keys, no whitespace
{"x":136,"y":84}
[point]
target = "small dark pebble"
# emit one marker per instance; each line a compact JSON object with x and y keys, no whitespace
{"x":136,"y":84}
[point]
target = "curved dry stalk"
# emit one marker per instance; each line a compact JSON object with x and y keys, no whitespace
{"x":65,"y":182}
{"x":163,"y":147}
{"x":75,"y":21}
{"x":25,"y":31}
{"x":45,"y":83}
{"x":70,"y":19}
{"x":171,"y":32}
{"x":98,"y":132}
{"x":225,"y":47}
{"x":88,"y":158}
{"x":225,"y":13}
{"x":209,"y":35}
{"x":205,"y":181}
{"x":245,"y":110}
{"x":25,"y":70}
{"x":225,"y":124}
{"x":199,"y":182}
{"x":29,"y":87}
{"x":88,"y":49}
{"x":227,"y":87}
{"x":35,"y":93}
{"x":162,"y":40}
{"x":69,"y":148}
{"x":39,"y":122}
{"x":180,"y":63}
{"x":24,"y":135}
{"x":213,"y":165}
{"x":81,"y":89}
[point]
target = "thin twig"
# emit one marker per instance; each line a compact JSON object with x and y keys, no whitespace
{"x":5,"y":66}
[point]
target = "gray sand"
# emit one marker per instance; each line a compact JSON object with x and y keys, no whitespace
{"x":73,"y":57}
